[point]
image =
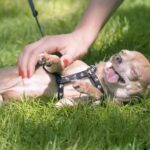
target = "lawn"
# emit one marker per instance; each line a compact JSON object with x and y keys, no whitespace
{"x":35,"y":124}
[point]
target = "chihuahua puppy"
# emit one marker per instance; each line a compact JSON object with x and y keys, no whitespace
{"x":125,"y":76}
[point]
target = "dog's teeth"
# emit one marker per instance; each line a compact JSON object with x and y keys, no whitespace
{"x":108,"y":64}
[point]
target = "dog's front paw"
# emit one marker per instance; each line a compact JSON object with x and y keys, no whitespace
{"x":47,"y":59}
{"x":80,"y":86}
{"x":51,"y":63}
{"x":43,"y":59}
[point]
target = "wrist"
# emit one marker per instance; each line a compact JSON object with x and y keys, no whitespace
{"x":85,"y":37}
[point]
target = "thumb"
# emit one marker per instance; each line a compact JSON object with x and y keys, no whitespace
{"x":66,"y":60}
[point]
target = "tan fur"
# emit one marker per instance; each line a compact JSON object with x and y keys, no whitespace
{"x":134,"y":68}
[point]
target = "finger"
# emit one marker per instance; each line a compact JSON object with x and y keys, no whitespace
{"x":69,"y":55}
{"x":66,"y":60}
{"x":24,"y":58}
{"x":31,"y":64}
{"x":32,"y":61}
{"x":22,"y":65}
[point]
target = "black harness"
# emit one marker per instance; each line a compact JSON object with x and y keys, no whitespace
{"x":88,"y":73}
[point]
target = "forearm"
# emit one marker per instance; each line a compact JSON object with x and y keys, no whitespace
{"x":94,"y":18}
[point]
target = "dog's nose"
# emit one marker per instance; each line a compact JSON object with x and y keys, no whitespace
{"x":117,"y":58}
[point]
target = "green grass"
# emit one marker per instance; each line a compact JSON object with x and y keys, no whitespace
{"x":36,"y":124}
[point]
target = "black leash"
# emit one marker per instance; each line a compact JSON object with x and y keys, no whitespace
{"x":35,"y":14}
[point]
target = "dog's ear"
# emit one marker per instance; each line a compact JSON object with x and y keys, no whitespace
{"x":145,"y":79}
{"x":144,"y":75}
{"x":144,"y":72}
{"x":134,"y":74}
{"x":134,"y":89}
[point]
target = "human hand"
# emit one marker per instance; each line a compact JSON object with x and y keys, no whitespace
{"x":71,"y":46}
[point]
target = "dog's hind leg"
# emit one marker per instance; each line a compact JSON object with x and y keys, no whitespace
{"x":72,"y":101}
{"x":87,"y":88}
{"x":66,"y":102}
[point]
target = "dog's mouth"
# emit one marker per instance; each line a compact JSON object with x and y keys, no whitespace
{"x":111,"y":75}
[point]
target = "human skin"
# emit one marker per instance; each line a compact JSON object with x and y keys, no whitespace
{"x":73,"y":45}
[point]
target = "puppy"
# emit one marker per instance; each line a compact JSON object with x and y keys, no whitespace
{"x":124,"y":76}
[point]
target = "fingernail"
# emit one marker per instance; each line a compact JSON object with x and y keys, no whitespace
{"x":28,"y":73}
{"x":19,"y":71}
{"x":65,"y":62}
{"x":22,"y":74}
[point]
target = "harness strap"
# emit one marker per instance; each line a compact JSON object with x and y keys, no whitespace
{"x":89,"y":73}
{"x":94,"y":79}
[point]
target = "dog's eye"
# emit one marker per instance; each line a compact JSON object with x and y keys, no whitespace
{"x":118,"y":59}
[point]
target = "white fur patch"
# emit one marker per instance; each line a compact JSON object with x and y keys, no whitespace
{"x":108,"y":64}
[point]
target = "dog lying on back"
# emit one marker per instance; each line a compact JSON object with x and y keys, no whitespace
{"x":124,"y":76}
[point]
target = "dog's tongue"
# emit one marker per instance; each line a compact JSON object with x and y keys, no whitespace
{"x":111,"y":76}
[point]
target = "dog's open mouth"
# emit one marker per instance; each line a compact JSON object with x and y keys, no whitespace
{"x":112,"y":75}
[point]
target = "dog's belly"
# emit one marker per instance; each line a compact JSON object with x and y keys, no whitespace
{"x":39,"y":84}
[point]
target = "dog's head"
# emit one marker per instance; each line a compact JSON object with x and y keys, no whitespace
{"x":127,"y":75}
